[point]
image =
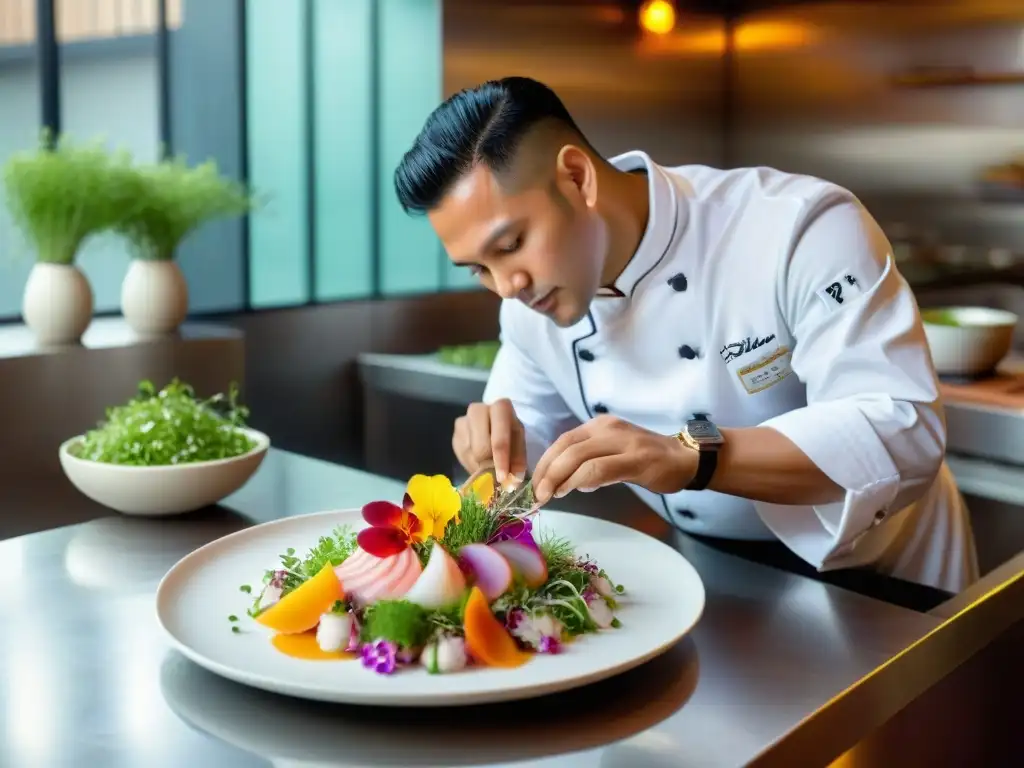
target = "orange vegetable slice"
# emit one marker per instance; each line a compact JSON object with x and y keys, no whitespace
{"x":486,"y":638}
{"x":300,"y":610}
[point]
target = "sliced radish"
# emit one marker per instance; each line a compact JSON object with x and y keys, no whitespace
{"x":378,"y":573}
{"x":490,"y":569}
{"x":355,"y":563}
{"x":356,"y":578}
{"x":441,"y":584}
{"x":527,"y":563}
{"x":395,"y":583}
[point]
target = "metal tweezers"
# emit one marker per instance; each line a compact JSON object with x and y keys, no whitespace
{"x":519,"y":492}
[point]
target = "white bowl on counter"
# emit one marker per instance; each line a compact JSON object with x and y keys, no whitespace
{"x":169,"y":489}
{"x":968,"y":341}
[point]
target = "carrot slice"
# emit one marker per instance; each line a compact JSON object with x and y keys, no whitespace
{"x":301,"y":609}
{"x":486,"y":638}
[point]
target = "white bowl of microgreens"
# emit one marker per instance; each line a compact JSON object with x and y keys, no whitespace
{"x":166,"y":452}
{"x":968,"y":341}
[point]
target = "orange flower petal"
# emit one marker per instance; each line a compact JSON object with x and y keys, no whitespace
{"x":411,"y":524}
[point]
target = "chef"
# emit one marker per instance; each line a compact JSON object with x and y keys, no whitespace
{"x":737,"y":346}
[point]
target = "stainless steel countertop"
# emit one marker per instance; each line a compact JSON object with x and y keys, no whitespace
{"x":778,"y":664}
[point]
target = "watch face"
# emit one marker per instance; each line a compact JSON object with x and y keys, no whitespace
{"x":703,"y":431}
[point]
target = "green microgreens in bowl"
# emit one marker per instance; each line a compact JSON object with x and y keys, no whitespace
{"x":61,"y":193}
{"x":169,"y":427}
{"x":174,"y":200}
{"x":479,"y":355}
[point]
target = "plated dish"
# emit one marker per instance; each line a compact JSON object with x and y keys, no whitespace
{"x":447,"y":580}
{"x":209,"y":620}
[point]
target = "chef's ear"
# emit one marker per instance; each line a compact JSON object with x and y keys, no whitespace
{"x":576,"y":170}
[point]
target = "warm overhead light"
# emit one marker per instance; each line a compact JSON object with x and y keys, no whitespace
{"x":658,"y":16}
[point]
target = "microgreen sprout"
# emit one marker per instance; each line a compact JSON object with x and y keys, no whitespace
{"x":171,"y":426}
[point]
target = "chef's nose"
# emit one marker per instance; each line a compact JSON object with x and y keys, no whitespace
{"x":511,"y":285}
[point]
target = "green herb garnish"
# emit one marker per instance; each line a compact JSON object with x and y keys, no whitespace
{"x":173,"y":201}
{"x":245,"y":588}
{"x":476,"y":523}
{"x":940,"y":317}
{"x":403,"y":623}
{"x":235,"y":628}
{"x":479,"y":355}
{"x":61,"y":194}
{"x":168,"y":427}
{"x":333,"y":549}
{"x":294,"y":570}
{"x":340,"y":607}
{"x":232,"y":617}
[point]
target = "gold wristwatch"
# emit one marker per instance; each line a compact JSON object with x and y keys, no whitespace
{"x":701,"y":435}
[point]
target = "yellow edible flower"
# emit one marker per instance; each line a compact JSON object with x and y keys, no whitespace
{"x":483,"y":488}
{"x":435,"y":502}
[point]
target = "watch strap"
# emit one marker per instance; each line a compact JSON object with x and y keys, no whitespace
{"x":707,"y":461}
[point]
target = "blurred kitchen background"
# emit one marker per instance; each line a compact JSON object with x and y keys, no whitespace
{"x":917,"y":106}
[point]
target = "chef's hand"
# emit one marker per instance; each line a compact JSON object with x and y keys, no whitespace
{"x":491,"y":433}
{"x":609,"y":450}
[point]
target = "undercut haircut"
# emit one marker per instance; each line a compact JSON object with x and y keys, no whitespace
{"x":482,"y":125}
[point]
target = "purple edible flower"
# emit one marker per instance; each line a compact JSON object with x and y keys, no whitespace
{"x":516,"y":529}
{"x":514,"y":618}
{"x":277,"y":580}
{"x":549,"y":644}
{"x":353,"y":638}
{"x":380,"y":657}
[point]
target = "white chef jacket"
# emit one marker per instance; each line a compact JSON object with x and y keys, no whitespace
{"x":759,"y":297}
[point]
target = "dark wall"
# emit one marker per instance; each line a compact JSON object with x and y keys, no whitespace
{"x":301,"y":379}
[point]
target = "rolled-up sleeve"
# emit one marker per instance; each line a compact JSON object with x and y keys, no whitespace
{"x":517,"y":376}
{"x":874,"y":423}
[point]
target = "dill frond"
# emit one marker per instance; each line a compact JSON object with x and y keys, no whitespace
{"x":477,"y":523}
{"x":334,"y":549}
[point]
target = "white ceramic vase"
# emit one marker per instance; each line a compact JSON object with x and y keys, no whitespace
{"x":154,"y":297}
{"x":57,"y":303}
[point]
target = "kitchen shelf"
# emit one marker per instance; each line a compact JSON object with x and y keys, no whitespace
{"x":955,"y":79}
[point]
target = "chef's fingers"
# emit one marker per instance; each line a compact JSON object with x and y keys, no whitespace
{"x":596,"y":473}
{"x":479,"y":433}
{"x":517,"y":454}
{"x":502,"y":424}
{"x":554,"y":451}
{"x":461,"y":444}
{"x":561,"y":466}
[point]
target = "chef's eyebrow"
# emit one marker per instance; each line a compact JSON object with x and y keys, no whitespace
{"x":496,"y":234}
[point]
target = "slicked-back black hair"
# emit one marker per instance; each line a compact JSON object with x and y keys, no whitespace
{"x":485,"y":125}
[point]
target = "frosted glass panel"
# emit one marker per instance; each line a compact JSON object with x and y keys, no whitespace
{"x":114,"y":98}
{"x":276,"y":97}
{"x":206,"y":101}
{"x":343,"y":56}
{"x":411,"y":85}
{"x":19,"y":130}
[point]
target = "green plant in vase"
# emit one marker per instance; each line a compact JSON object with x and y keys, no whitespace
{"x":60,"y":195}
{"x":174,"y":201}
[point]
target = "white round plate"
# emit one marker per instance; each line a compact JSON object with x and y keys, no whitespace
{"x":664,"y":599}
